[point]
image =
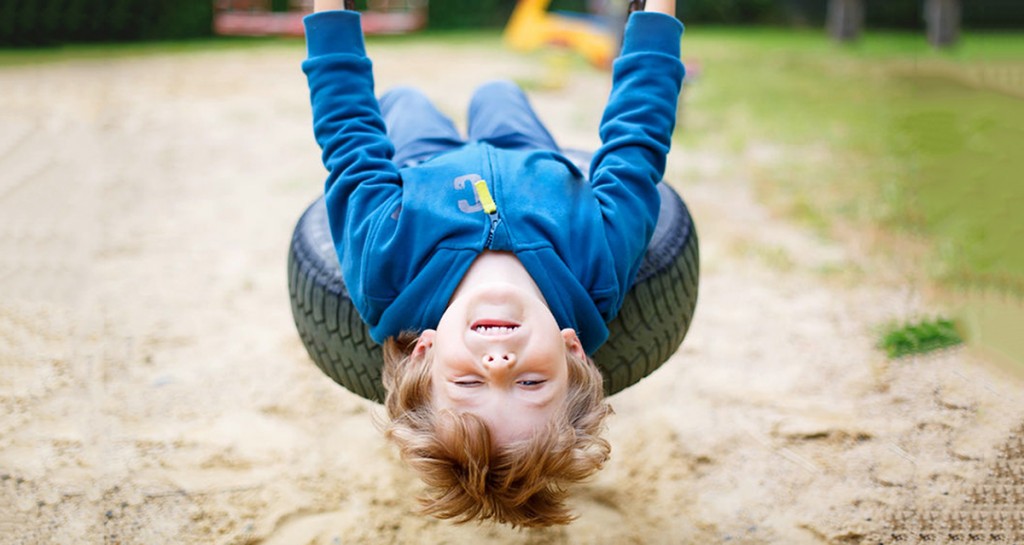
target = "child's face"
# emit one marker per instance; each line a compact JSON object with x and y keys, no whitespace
{"x":498,"y":353}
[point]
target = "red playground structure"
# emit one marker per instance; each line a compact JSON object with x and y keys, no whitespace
{"x":255,"y":17}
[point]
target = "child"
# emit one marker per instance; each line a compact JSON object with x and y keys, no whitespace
{"x":489,"y":268}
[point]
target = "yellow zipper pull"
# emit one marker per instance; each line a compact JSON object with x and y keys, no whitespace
{"x":484,"y":195}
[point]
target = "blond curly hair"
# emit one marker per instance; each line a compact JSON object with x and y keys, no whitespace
{"x":522,"y":483}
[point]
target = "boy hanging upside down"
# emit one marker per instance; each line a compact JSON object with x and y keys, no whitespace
{"x":488,"y":266}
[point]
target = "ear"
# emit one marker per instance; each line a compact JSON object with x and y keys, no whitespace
{"x":423,"y":344}
{"x":572,"y":343}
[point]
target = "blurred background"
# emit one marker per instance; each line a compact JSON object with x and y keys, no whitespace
{"x":43,"y":22}
{"x":50,"y":22}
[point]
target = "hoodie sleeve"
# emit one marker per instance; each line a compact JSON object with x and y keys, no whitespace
{"x":636,"y":134}
{"x":363,"y":185}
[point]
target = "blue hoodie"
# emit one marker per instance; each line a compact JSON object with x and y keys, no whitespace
{"x":405,"y":237}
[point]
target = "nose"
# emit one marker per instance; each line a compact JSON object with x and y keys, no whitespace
{"x":499,"y":360}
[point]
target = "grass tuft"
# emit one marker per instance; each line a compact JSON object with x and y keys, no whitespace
{"x":919,"y":337}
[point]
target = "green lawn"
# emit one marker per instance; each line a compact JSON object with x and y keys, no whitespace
{"x":923,"y":148}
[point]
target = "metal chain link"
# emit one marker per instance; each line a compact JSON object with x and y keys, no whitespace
{"x":637,"y":5}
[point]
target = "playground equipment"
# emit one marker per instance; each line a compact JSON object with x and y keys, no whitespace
{"x":531,"y":27}
{"x":255,"y":18}
{"x":654,"y":318}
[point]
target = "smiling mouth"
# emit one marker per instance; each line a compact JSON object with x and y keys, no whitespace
{"x":495,"y":328}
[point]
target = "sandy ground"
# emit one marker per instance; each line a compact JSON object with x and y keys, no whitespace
{"x":153,"y":389}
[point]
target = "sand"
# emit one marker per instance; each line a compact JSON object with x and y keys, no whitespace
{"x":153,"y":388}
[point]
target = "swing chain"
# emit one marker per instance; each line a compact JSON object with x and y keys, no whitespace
{"x":636,"y":5}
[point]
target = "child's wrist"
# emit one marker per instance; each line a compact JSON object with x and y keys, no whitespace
{"x":651,"y":31}
{"x":334,"y":31}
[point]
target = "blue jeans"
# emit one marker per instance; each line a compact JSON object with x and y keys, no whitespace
{"x":499,"y":114}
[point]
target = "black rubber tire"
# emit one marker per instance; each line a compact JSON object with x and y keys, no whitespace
{"x":650,"y":326}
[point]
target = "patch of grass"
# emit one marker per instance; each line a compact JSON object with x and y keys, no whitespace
{"x":886,"y":136}
{"x":875,"y":44}
{"x":919,"y":337}
{"x":887,"y":131}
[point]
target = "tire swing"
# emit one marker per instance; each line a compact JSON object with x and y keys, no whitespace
{"x":654,"y":318}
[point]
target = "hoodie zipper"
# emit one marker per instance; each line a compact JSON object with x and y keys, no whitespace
{"x":489,"y":207}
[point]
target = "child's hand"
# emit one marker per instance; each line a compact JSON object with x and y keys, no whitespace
{"x":668,"y":7}
{"x":328,"y":5}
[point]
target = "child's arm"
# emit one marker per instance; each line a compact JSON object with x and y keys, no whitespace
{"x":636,"y":134}
{"x":363,"y":185}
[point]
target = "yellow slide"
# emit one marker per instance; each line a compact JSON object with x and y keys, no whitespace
{"x":532,"y":27}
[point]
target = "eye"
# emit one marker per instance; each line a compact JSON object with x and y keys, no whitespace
{"x":531,"y":383}
{"x":467,"y":383}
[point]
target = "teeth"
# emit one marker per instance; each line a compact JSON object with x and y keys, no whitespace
{"x":494,"y":330}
